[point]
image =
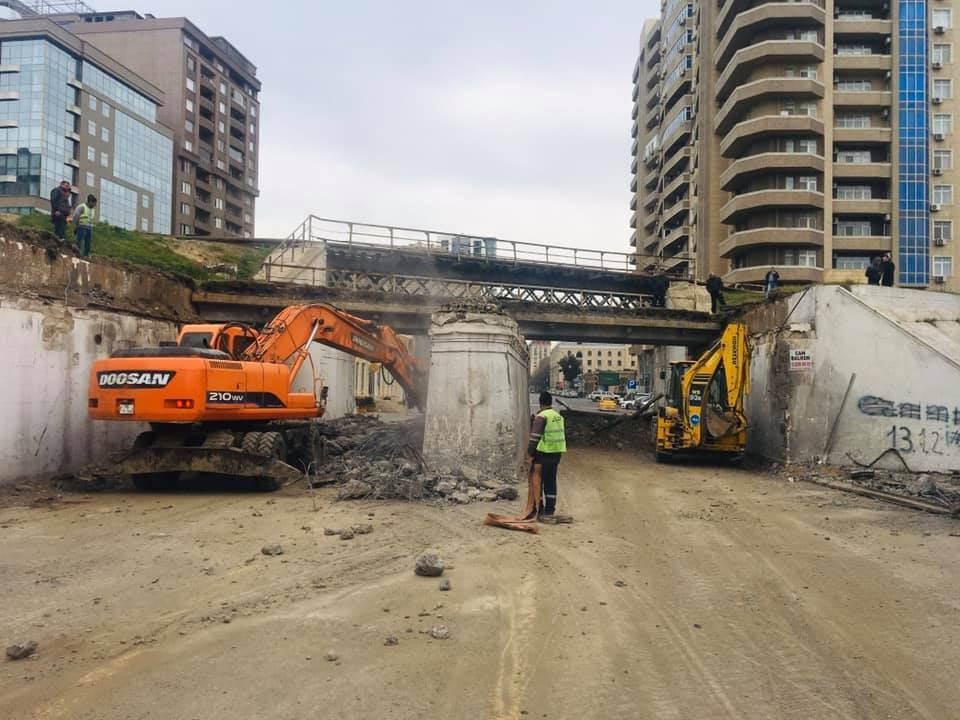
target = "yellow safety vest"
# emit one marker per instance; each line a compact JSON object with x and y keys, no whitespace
{"x":554,"y":439}
{"x":86,"y":215}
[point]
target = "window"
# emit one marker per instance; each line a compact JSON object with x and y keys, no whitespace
{"x":857,"y":157}
{"x":943,"y":230}
{"x":91,"y":153}
{"x":807,"y":71}
{"x":222,"y":107}
{"x":191,"y":64}
{"x":253,"y":111}
{"x":105,"y":134}
{"x":145,"y":224}
{"x":854,"y":85}
{"x":800,"y":145}
{"x":104,"y":160}
{"x":942,"y":266}
{"x":854,"y":50}
{"x":589,"y":363}
{"x":943,"y":159}
{"x":145,"y":202}
{"x":91,"y":128}
{"x":188,"y":145}
{"x":91,"y":180}
{"x":105,"y":110}
{"x":943,"y":194}
{"x":223,"y":88}
{"x":807,"y":258}
{"x":941,"y":54}
{"x":191,"y":85}
{"x":847,"y":120}
{"x":218,"y":203}
{"x":188,"y":126}
{"x":220,"y":146}
{"x":186,"y":188}
{"x":189,"y":105}
{"x":186,"y":230}
{"x":853,"y":192}
{"x":92,"y":102}
{"x":852,"y":228}
{"x":184,"y":209}
{"x":218,"y":223}
{"x":807,"y":182}
{"x":942,"y":88}
{"x":942,"y":18}
{"x":943,"y":123}
{"x":221,"y":126}
{"x":253,"y":128}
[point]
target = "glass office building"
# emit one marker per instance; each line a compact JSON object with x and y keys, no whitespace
{"x":69,"y":112}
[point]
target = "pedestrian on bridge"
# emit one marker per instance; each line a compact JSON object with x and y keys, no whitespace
{"x":548,"y":443}
{"x":715,"y":288}
{"x":659,"y":285}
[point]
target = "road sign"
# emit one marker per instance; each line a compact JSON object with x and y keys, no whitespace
{"x":631,"y":384}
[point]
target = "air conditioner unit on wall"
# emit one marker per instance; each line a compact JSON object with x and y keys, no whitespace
{"x":936,"y":65}
{"x":939,"y":279}
{"x":936,"y":99}
{"x":938,"y":171}
{"x":939,"y":29}
{"x":938,"y":136}
{"x":934,"y":207}
{"x":939,"y":242}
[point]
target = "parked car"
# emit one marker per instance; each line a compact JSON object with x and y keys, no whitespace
{"x":569,"y":393}
{"x":607,"y":404}
{"x":595,"y":395}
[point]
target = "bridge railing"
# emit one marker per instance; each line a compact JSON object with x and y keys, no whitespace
{"x":319,"y":230}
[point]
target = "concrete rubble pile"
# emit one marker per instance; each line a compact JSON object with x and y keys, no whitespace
{"x":613,"y":432}
{"x":370,"y":459}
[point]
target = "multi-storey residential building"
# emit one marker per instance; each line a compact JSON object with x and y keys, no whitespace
{"x":539,"y":351}
{"x":818,"y":139}
{"x":69,"y":112}
{"x":212,"y":106}
{"x":594,"y":359}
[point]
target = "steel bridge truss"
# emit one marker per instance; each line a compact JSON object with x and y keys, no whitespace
{"x":446,"y":289}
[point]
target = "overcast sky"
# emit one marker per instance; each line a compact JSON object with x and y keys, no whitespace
{"x":501,"y":118}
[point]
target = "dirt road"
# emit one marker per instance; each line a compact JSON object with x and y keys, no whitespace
{"x":679,"y":593}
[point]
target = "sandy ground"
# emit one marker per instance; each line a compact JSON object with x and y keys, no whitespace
{"x":680,"y":592}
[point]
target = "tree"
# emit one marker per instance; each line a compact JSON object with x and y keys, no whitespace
{"x":571,"y":366}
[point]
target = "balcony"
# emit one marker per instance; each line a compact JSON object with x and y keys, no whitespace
{"x":636,"y":69}
{"x":650,"y":221}
{"x":771,"y":16}
{"x":633,"y":147}
{"x":653,"y":55}
{"x":862,"y":63}
{"x":675,"y":210}
{"x":762,"y":53}
{"x":633,"y":220}
{"x":863,"y":136}
{"x":633,"y":239}
{"x":677,"y":161}
{"x":851,"y":28}
{"x":654,"y":77}
{"x":673,"y":185}
{"x":652,"y":179}
{"x":674,"y":88}
{"x":653,"y":119}
{"x":776,"y":88}
{"x":775,"y":236}
{"x":653,"y":98}
{"x":879,"y":170}
{"x":650,"y":201}
{"x":864,"y":99}
{"x":635,"y":113}
{"x":633,"y":184}
{"x":654,"y":38}
{"x":743,"y":134}
{"x":635,"y":130}
{"x":744,"y":168}
{"x":862,"y":207}
{"x":877,"y":243}
{"x":746,"y":203}
{"x":789,"y":274}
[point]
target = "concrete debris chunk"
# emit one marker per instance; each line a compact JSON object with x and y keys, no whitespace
{"x":22,"y":651}
{"x":439,"y":632}
{"x":272,"y":549}
{"x":391,"y":641}
{"x":331,"y":656}
{"x":362,"y":529}
{"x":346,"y":534}
{"x":445,"y":585}
{"x":331,"y":531}
{"x":429,"y":564}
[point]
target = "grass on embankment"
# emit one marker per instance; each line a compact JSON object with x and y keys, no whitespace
{"x":182,"y":257}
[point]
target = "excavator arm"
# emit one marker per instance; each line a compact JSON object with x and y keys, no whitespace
{"x":287,"y":338}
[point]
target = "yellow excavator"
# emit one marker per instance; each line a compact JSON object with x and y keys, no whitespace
{"x":704,"y":413}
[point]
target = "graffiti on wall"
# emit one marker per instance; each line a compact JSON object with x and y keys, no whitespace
{"x":928,"y":428}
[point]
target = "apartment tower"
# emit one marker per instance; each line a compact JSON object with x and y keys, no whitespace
{"x":815,"y":137}
{"x":212,"y":106}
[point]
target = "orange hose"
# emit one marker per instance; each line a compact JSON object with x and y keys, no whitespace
{"x":527,"y":521}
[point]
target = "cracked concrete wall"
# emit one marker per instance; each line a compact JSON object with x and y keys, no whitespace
{"x":48,"y":351}
{"x":478,"y":411}
{"x":903,"y":395}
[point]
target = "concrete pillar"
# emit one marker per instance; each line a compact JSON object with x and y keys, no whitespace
{"x":333,"y":369}
{"x":478,"y":412}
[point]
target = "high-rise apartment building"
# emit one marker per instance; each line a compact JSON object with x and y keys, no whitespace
{"x":804,"y":135}
{"x":211,"y":104}
{"x":539,"y":350}
{"x":69,"y":112}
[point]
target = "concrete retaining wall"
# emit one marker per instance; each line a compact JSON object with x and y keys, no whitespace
{"x":478,"y":413}
{"x":48,"y":351}
{"x":906,"y":393}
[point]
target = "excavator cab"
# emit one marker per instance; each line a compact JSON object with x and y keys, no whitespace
{"x":232,"y":338}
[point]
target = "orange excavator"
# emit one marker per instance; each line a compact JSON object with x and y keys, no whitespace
{"x":232,"y":400}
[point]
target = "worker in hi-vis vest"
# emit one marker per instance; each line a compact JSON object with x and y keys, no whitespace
{"x":83,"y":216}
{"x":548,"y":442}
